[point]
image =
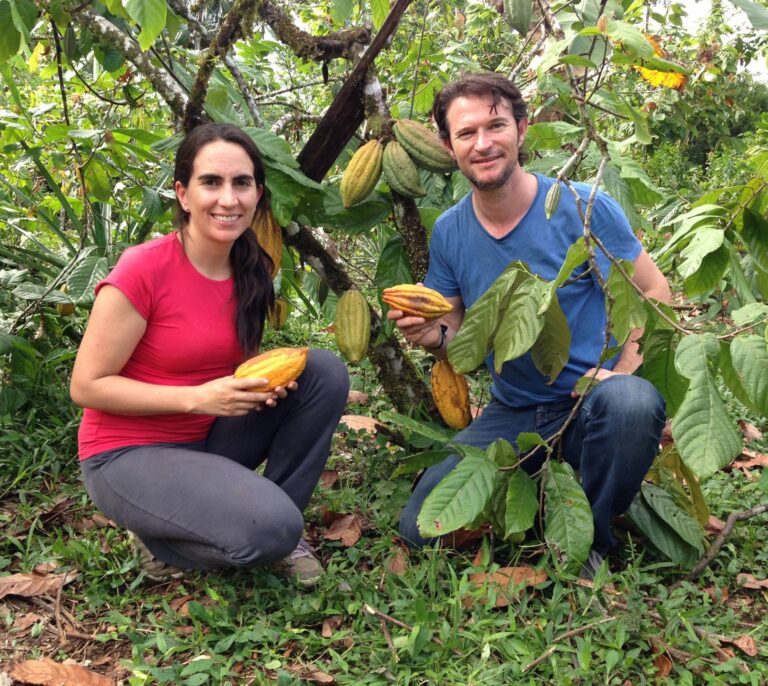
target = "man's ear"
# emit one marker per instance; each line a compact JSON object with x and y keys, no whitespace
{"x":447,"y":145}
{"x":522,"y":129}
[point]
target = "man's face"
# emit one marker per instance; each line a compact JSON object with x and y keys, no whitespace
{"x":485,"y":140}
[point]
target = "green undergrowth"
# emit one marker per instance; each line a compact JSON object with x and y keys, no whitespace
{"x":378,"y":616}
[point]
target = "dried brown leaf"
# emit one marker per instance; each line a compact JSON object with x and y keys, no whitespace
{"x":397,"y":562}
{"x":25,"y":621}
{"x":330,"y":624}
{"x":750,"y":431}
{"x":745,"y":643}
{"x":328,"y":478}
{"x":509,"y":582}
{"x":357,"y":422}
{"x":47,"y":672}
{"x":28,"y":585}
{"x":714,"y":525}
{"x":347,"y":529}
{"x":749,"y":581}
{"x":313,"y":674}
{"x":663,"y":666}
{"x":179,"y":604}
{"x":45,"y":568}
{"x":357,"y":398}
{"x":753,"y":459}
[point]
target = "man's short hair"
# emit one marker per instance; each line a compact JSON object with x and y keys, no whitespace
{"x":478,"y":85}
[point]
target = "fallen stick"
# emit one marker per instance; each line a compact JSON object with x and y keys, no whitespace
{"x":403,"y":625}
{"x":562,"y":637}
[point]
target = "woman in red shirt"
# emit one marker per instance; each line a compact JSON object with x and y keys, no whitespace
{"x":170,"y":439}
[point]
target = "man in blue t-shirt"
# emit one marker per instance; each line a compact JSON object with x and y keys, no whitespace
{"x":482,"y":120}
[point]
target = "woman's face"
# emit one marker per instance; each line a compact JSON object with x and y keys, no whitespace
{"x":222,"y":194}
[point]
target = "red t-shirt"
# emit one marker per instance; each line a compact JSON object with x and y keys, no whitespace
{"x":190,"y":339}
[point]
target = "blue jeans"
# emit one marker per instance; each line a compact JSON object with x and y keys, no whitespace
{"x":611,"y":442}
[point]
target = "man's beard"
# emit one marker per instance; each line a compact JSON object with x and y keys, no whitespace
{"x":496,"y":183}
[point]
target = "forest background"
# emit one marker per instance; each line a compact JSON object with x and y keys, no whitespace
{"x":661,"y":111}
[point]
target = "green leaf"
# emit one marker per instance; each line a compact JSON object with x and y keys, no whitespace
{"x":551,"y":135}
{"x":710,"y":272}
{"x":660,"y":534}
{"x":150,"y":15}
{"x":10,"y":38}
{"x":569,"y":527}
{"x":518,"y":14}
{"x":84,"y":277}
{"x":642,"y":189}
{"x":755,"y":233}
{"x":97,"y":181}
{"x":402,"y":421}
{"x":641,"y":126}
{"x":379,"y":11}
{"x":552,"y":347}
{"x":470,"y":346}
{"x":393,"y":266}
{"x":620,"y":191}
{"x":116,"y":8}
{"x":757,"y":14}
{"x":522,"y":503}
{"x":749,"y":356}
{"x":704,"y":241}
{"x":664,"y":505}
{"x":702,"y":429}
{"x":577,"y":61}
{"x":528,"y":440}
{"x":659,"y":368}
{"x":341,"y":10}
{"x":750,"y":313}
{"x":502,"y":453}
{"x":421,"y":461}
{"x":631,"y":39}
{"x":425,"y":95}
{"x":458,"y":498}
{"x":520,"y":324}
{"x":628,"y":311}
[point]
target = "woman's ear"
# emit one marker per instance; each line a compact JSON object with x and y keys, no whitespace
{"x":181,"y":194}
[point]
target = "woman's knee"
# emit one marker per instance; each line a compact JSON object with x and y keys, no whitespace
{"x":326,"y":369}
{"x":261,"y":543}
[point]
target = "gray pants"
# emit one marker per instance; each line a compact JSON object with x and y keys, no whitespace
{"x":201,"y":505}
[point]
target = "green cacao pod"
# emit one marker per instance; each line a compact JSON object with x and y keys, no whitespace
{"x":400,"y":171}
{"x":519,"y":13}
{"x":362,"y":173}
{"x":552,"y":200}
{"x":424,"y":147}
{"x":353,"y":325}
{"x":450,"y":392}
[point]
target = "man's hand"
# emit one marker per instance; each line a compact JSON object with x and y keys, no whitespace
{"x":417,"y":330}
{"x":601,"y":375}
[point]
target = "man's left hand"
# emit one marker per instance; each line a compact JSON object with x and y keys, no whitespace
{"x":601,"y":375}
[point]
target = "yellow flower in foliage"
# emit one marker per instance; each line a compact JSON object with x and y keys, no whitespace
{"x":665,"y":79}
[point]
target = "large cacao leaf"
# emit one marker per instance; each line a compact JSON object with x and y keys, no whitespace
{"x":522,"y":503}
{"x":628,"y":311}
{"x":420,"y":461}
{"x":676,"y":517}
{"x":659,"y":368}
{"x":660,"y":534}
{"x":520,"y":324}
{"x":552,"y":347}
{"x":705,"y":436}
{"x":569,"y":528}
{"x":470,"y":346}
{"x":458,"y":498}
{"x":749,"y":357}
{"x":705,"y":240}
{"x":707,"y":277}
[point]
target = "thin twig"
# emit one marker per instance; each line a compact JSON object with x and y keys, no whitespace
{"x":562,"y":637}
{"x":57,"y":614}
{"x":718,"y":543}
{"x":388,"y":639}
{"x":403,"y":625}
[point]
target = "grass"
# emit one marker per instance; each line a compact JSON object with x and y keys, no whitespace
{"x":253,"y":627}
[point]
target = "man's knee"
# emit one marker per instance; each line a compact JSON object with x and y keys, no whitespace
{"x":626,"y":399}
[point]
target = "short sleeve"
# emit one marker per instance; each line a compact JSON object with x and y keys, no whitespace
{"x":132,"y":277}
{"x":611,"y":226}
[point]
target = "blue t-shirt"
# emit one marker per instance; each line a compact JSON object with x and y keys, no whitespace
{"x":465,"y":260}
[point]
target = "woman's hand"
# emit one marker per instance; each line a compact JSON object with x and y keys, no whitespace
{"x":231,"y":397}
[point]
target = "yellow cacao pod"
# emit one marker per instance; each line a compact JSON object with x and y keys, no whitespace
{"x":418,"y":301}
{"x":279,"y":367}
{"x":451,"y":395}
{"x":279,"y":314}
{"x":362,"y":173}
{"x":400,"y":171}
{"x":270,"y":236}
{"x":65,"y":309}
{"x":424,"y":147}
{"x":353,"y":325}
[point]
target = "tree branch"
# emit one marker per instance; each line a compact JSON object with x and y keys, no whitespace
{"x":307,"y":46}
{"x":163,"y":83}
{"x":232,"y":28}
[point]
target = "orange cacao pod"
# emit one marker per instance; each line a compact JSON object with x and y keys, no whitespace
{"x":418,"y":301}
{"x":362,"y":173}
{"x":279,"y":314}
{"x":279,"y":367}
{"x":270,"y":236}
{"x":451,"y":395}
{"x":353,"y":325}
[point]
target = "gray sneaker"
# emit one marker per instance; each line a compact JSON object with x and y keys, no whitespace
{"x":301,"y":565}
{"x":154,"y":569}
{"x":593,"y":563}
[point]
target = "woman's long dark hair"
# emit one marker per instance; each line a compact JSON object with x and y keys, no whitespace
{"x":251,"y":266}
